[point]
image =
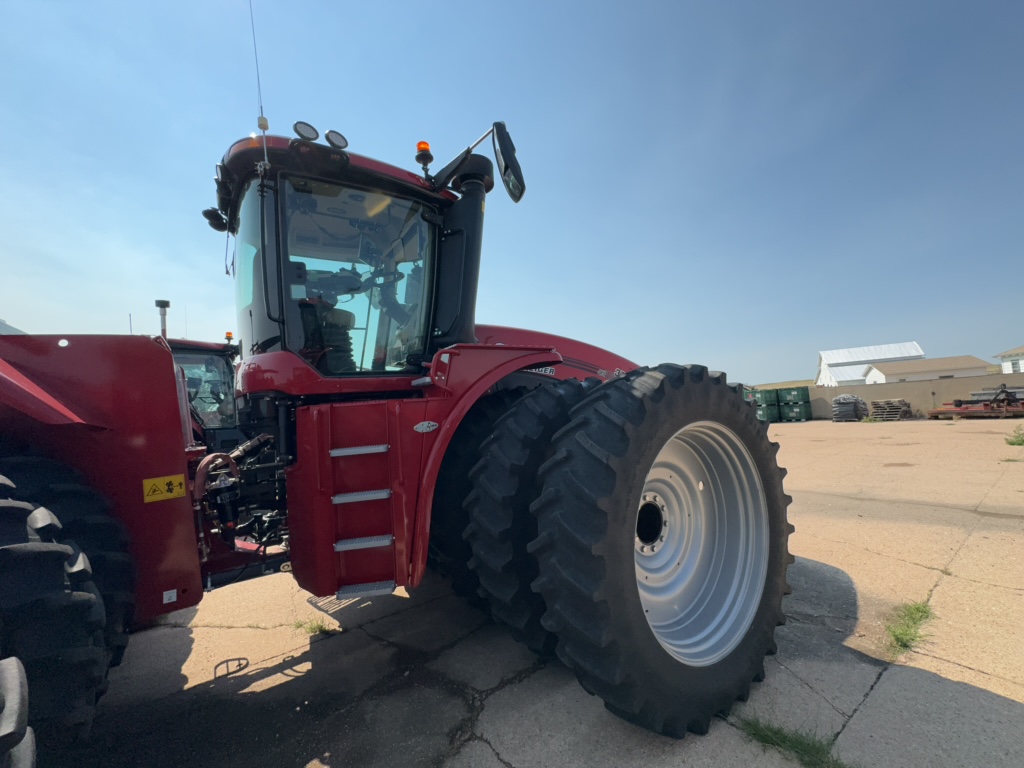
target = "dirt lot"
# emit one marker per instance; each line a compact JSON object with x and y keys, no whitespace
{"x":885,"y":514}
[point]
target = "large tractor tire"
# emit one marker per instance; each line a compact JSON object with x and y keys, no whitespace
{"x":87,"y":519}
{"x":51,"y":617}
{"x":449,"y":553}
{"x":17,"y":741}
{"x":505,"y":482}
{"x":663,"y":546}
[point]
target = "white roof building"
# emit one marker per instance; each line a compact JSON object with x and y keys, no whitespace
{"x":842,"y":367}
{"x":8,"y":329}
{"x":1012,"y":360}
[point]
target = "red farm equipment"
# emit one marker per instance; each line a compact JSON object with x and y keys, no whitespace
{"x":630,"y":519}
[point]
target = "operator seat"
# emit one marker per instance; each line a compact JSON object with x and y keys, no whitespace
{"x":335,"y":325}
{"x":326,"y":340}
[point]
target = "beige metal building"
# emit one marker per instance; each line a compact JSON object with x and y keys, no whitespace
{"x":955,"y":367}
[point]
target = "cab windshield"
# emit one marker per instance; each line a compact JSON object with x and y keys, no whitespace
{"x":210,"y":380}
{"x":355,"y":271}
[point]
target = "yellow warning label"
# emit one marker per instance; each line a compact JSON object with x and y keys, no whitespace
{"x":163,"y":488}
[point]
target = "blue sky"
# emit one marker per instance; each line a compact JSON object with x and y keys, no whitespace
{"x":739,"y":184}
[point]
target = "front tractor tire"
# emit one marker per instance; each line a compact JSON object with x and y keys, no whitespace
{"x":662,"y":546}
{"x":51,"y":617}
{"x":87,"y":518}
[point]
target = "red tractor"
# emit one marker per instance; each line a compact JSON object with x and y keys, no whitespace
{"x":630,"y":519}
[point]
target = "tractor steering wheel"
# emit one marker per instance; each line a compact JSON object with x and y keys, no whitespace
{"x":379,"y":278}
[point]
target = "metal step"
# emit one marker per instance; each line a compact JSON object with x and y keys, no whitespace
{"x":366,"y":542}
{"x":351,"y":498}
{"x":360,"y":450}
{"x":366,"y":590}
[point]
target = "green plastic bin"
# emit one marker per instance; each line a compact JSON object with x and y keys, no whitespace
{"x":794,"y":395}
{"x":795,"y":412}
{"x":763,"y":396}
{"x":769,"y":413}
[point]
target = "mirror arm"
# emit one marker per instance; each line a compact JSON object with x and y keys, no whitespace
{"x":479,"y":141}
{"x":446,"y":174}
{"x":443,"y":179}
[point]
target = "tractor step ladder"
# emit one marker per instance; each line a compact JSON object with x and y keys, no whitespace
{"x":356,"y":498}
{"x":365,"y":542}
{"x":372,"y":589}
{"x":351,"y":498}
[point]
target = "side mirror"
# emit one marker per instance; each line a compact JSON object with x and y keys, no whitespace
{"x":508,"y":166}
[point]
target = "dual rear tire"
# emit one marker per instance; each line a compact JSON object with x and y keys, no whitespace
{"x":650,"y":546}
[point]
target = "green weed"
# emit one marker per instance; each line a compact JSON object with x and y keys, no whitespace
{"x":809,"y":751}
{"x":314,"y":626}
{"x":1017,"y":438}
{"x":905,"y":628}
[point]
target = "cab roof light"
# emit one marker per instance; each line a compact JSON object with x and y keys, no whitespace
{"x":423,"y":156}
{"x":336,"y":140}
{"x":306,"y":131}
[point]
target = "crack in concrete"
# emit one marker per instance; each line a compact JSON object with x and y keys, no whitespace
{"x":965,"y":666}
{"x":914,"y":503}
{"x":984,"y":583}
{"x":236,"y":626}
{"x":994,"y":484}
{"x":891,"y":557}
{"x":413,"y":662}
{"x":821,"y":620}
{"x":813,"y":690}
{"x":497,"y":754}
{"x":857,"y":708}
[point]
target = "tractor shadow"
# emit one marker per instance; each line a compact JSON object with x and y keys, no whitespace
{"x":371,"y":694}
{"x":189,"y":693}
{"x":835,"y":677}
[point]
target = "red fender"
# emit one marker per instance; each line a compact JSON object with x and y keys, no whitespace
{"x":21,"y":394}
{"x":467,"y":371}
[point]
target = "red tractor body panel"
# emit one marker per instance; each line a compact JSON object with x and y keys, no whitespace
{"x":368,"y":469}
{"x":129,"y":446}
{"x":19,"y":393}
{"x":579,"y":359}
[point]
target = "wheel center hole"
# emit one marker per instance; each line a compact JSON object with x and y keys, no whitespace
{"x":649,"y":522}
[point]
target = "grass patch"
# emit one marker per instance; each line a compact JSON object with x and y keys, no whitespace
{"x":1004,"y":460}
{"x":314,"y":626}
{"x":1017,"y":438}
{"x":905,"y":629}
{"x":869,"y":420}
{"x":809,"y":751}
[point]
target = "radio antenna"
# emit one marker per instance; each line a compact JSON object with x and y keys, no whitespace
{"x":261,"y":122}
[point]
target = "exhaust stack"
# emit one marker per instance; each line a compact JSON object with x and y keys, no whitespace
{"x":162,"y":305}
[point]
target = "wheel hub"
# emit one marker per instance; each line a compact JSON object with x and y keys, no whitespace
{"x":651,"y":525}
{"x":701,"y":543}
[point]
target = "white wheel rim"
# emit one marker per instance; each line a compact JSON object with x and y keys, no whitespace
{"x":701,"y":543}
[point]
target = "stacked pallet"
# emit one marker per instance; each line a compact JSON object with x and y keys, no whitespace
{"x":891,"y":410}
{"x":767,"y":402}
{"x":794,"y":404}
{"x":848,"y":408}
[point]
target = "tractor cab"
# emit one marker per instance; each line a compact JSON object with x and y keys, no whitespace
{"x":337,"y":256}
{"x":209,"y":371}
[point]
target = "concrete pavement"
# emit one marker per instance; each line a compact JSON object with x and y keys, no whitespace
{"x":885,"y":514}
